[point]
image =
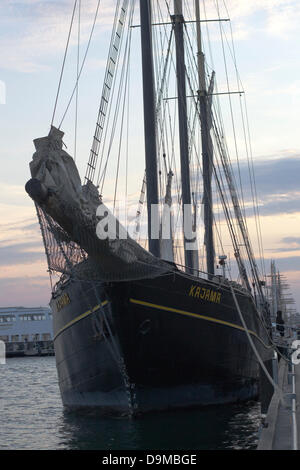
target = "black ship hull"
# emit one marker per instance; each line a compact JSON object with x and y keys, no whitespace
{"x":174,"y":341}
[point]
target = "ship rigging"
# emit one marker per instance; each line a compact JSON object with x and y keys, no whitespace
{"x":158,"y":328}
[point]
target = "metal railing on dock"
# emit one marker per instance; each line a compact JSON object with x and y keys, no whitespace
{"x":281,"y":426}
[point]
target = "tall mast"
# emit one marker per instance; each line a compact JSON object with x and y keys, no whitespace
{"x":149,"y":121}
{"x":274,"y":291}
{"x":205,"y":102}
{"x":178,"y":20}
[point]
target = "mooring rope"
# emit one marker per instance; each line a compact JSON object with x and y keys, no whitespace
{"x":272,"y":382}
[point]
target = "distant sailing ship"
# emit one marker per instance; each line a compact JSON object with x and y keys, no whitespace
{"x":135,"y":330}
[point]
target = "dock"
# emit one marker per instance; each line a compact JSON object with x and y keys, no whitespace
{"x":29,"y":348}
{"x":281,"y":427}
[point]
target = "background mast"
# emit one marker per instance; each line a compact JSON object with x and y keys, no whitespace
{"x":191,"y":256}
{"x":205,"y":102}
{"x":149,"y":122}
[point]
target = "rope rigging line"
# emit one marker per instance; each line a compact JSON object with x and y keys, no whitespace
{"x":191,"y":87}
{"x":77,"y":88}
{"x":247,"y":140}
{"x":104,"y":117}
{"x":101,"y":177}
{"x":113,"y":56}
{"x":163,"y":69}
{"x":261,"y":318}
{"x":272,"y":382}
{"x":199,"y":164}
{"x":82,"y":65}
{"x":113,"y":347}
{"x":126,"y":87}
{"x":239,"y":85}
{"x":163,"y":77}
{"x":240,"y":219}
{"x":230,"y":104}
{"x":173,"y":152}
{"x":228,"y":218}
{"x":251,"y":176}
{"x":255,"y":197}
{"x":192,"y":136}
{"x":64,"y":61}
{"x":172,"y":163}
{"x":127,"y":149}
{"x":236,"y":198}
{"x":157,"y":65}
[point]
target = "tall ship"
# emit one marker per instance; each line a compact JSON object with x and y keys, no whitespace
{"x":155,"y":311}
{"x":284,"y":316}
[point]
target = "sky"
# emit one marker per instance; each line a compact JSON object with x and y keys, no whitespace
{"x":33,"y":35}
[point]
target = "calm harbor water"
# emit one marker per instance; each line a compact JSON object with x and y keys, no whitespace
{"x":32,"y":417}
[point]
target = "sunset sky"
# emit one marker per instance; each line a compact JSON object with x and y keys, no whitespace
{"x":32,"y":40}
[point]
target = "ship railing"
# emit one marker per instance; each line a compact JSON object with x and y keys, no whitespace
{"x":216,"y":279}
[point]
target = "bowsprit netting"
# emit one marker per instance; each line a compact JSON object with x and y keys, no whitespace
{"x":62,"y":253}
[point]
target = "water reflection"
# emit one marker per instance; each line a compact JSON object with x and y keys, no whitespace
{"x":231,"y":427}
{"x":33,"y":417}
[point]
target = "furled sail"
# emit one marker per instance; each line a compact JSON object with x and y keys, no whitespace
{"x":166,"y":239}
{"x":56,"y":188}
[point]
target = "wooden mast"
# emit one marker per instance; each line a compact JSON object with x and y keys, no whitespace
{"x":150,"y":126}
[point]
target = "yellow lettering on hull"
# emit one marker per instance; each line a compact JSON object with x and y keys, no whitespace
{"x":62,"y":302}
{"x":205,"y":294}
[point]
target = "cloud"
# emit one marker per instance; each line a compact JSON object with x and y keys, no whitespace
{"x":21,"y":253}
{"x":292,"y":240}
{"x":281,"y":16}
{"x":284,"y":19}
{"x":20,"y":242}
{"x":33,"y":31}
{"x":277,"y":184}
{"x":26,"y":291}
{"x":282,"y":250}
{"x":18,"y":223}
{"x":277,"y":18}
{"x":287,"y":204}
{"x":277,"y":175}
{"x":292,"y":89}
